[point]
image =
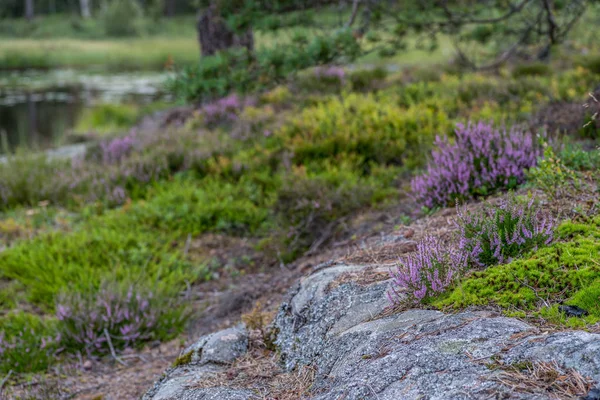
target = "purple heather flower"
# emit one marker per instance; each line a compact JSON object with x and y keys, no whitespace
{"x":429,"y":270}
{"x":481,"y":156}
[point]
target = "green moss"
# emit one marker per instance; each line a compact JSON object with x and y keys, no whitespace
{"x":567,"y":271}
{"x":183,"y":359}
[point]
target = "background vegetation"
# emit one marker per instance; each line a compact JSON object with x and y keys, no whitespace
{"x":282,"y":144}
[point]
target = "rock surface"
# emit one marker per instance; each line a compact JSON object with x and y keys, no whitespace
{"x":210,"y":354}
{"x":336,"y":325}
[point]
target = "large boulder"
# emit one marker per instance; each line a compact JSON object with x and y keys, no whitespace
{"x":334,"y":321}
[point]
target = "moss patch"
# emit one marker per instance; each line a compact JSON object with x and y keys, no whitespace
{"x":567,"y":271}
{"x":183,"y":359}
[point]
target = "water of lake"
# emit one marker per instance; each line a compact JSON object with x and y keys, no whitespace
{"x":37,"y":108}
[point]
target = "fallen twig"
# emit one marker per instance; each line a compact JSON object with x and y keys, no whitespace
{"x":112,"y":349}
{"x":3,"y":382}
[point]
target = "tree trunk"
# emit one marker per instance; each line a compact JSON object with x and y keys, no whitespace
{"x":214,"y":35}
{"x":85,"y":8}
{"x":170,"y":8}
{"x":29,"y":13}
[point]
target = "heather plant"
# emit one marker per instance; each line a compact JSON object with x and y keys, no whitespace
{"x":499,"y":233}
{"x":482,"y":160}
{"x":115,"y":150}
{"x":428,"y":271}
{"x":118,"y":316}
{"x":224,"y":110}
{"x":565,"y":272}
{"x":27,"y":343}
{"x":553,"y":176}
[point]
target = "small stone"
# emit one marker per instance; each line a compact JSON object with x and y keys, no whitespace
{"x":87,"y":365}
{"x":573,"y":311}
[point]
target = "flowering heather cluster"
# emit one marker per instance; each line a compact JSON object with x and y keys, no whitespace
{"x":331,"y":72}
{"x":497,"y":234}
{"x":115,"y":150}
{"x":481,"y":160}
{"x":427,"y":271}
{"x":493,"y":236}
{"x":223,"y":110}
{"x":129,"y":317}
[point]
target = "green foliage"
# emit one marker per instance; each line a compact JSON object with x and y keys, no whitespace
{"x":499,"y":233}
{"x":115,"y":246}
{"x":365,"y":129}
{"x":577,"y":159}
{"x":27,"y":342}
{"x":122,"y":18}
{"x":531,"y":69}
{"x":591,"y":63}
{"x":242,"y":72}
{"x":552,"y":175}
{"x":31,"y":185}
{"x":565,"y":271}
{"x":310,"y":206}
{"x":107,"y":118}
{"x":365,"y":79}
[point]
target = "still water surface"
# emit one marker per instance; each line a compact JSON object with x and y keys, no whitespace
{"x":38,"y":107}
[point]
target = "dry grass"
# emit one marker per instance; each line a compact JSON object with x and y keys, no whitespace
{"x":260,"y":371}
{"x":364,"y":277}
{"x":545,"y":378}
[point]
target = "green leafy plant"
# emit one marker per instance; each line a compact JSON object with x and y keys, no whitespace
{"x":552,"y":175}
{"x":500,"y":233}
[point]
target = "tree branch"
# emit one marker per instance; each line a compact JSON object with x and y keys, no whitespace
{"x":355,"y":7}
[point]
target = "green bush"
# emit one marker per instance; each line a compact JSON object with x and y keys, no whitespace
{"x":367,"y":79}
{"x":122,"y":18}
{"x":552,"y":175}
{"x":591,"y":63}
{"x":242,"y":72}
{"x":364,"y":129}
{"x":531,"y":69}
{"x":27,"y":342}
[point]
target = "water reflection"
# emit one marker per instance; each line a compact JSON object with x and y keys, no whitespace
{"x":38,"y":108}
{"x":37,"y":121}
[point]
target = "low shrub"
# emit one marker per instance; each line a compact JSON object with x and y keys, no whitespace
{"x":553,"y":176}
{"x":362,"y":128}
{"x":238,"y":71}
{"x":592,"y":63}
{"x":224,"y":110}
{"x":564,"y":272}
{"x":499,"y":233}
{"x":428,"y":271}
{"x":531,"y":69}
{"x":367,"y":79}
{"x":118,"y":316}
{"x":578,"y":159}
{"x":28,"y":343}
{"x":323,"y":79}
{"x":482,"y":160}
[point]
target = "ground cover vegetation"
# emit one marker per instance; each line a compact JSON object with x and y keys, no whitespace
{"x":96,"y":249}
